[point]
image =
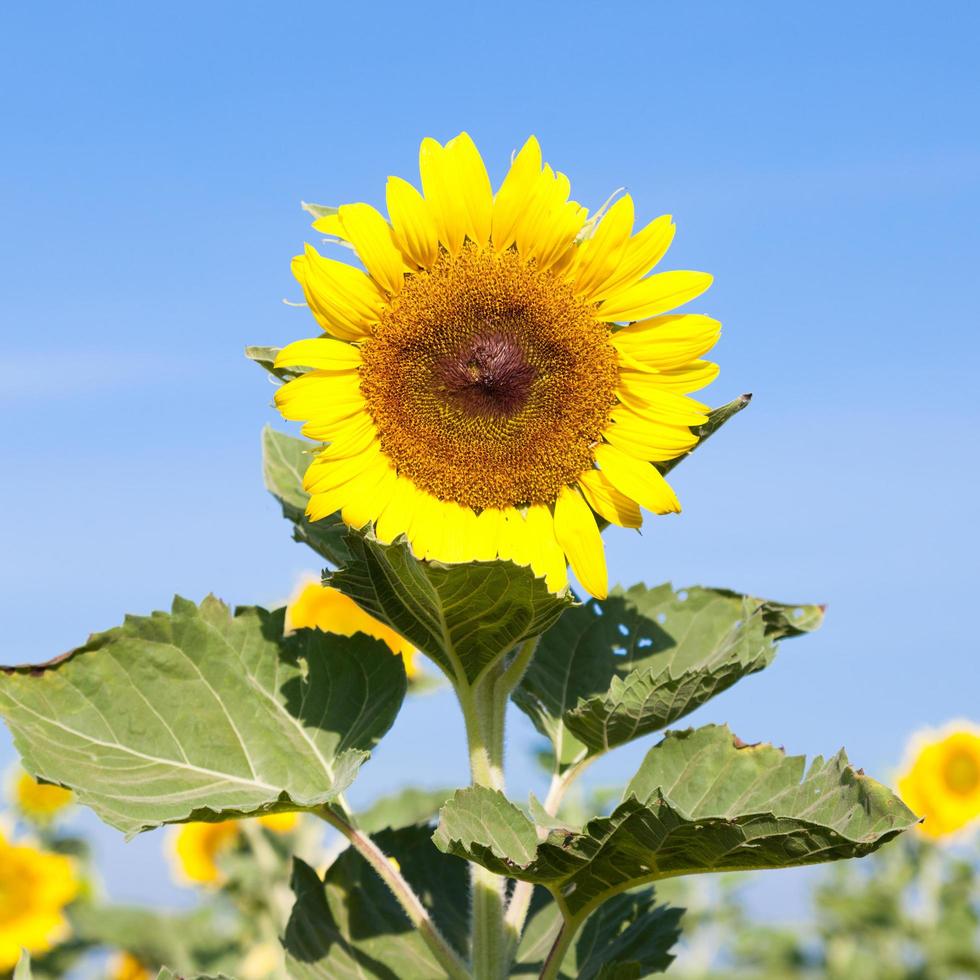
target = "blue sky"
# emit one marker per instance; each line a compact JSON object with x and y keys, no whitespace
{"x":822,"y":161}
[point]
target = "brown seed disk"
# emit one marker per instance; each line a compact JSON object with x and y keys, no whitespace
{"x":489,"y":381}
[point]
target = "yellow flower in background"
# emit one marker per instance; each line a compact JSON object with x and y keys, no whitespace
{"x":125,"y":966}
{"x":40,"y":802}
{"x":504,"y":371}
{"x":320,"y":607}
{"x":941,"y":781}
{"x":35,"y":887}
{"x":197,"y":847}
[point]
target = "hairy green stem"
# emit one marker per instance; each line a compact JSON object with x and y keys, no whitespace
{"x":446,"y":956}
{"x":484,"y":710}
{"x":520,"y":900}
{"x":551,"y":969}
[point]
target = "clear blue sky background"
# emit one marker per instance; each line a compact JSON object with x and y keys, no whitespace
{"x":822,"y":160}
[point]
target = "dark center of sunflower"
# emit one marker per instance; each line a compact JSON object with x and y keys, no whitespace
{"x":489,"y":382}
{"x":489,"y":377}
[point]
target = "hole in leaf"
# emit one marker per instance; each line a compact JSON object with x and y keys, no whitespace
{"x":623,"y":629}
{"x":644,"y":641}
{"x":661,"y":618}
{"x":682,"y":595}
{"x":797,"y":613}
{"x":619,"y":651}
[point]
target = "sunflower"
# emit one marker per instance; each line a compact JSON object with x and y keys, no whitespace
{"x":197,"y":846}
{"x":504,"y":370}
{"x":35,"y":887}
{"x":941,"y":779}
{"x":40,"y":802}
{"x":125,"y":966}
{"x":315,"y":606}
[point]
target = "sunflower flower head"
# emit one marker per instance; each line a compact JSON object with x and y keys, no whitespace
{"x":315,"y":606}
{"x":39,"y":802}
{"x":35,"y":887}
{"x":197,"y":847}
{"x":125,"y":966}
{"x":941,"y":779}
{"x":502,"y":371}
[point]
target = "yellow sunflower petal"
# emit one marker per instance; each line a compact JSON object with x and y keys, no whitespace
{"x":413,"y":227}
{"x":644,"y":397}
{"x":319,"y":395}
{"x":396,"y":518}
{"x":426,"y":528}
{"x":638,"y":480}
{"x":353,"y":437}
{"x":658,"y":293}
{"x":441,"y":195}
{"x":322,"y":353}
{"x":601,"y":255}
{"x":360,"y":476}
{"x":691,"y":377}
{"x":325,"y":474}
{"x":578,"y":536}
{"x":344,"y":300}
{"x":643,"y":251}
{"x":468,"y":174}
{"x":373,"y":494}
{"x":668,"y":342}
{"x":514,"y":544}
{"x":515,"y":194}
{"x":652,"y":441}
{"x":607,"y":501}
{"x":547,"y":557}
{"x":486,"y":534}
{"x":330,"y":224}
{"x":547,"y":228}
{"x":371,"y":237}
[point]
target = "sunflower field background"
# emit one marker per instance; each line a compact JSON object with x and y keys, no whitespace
{"x":822,"y":163}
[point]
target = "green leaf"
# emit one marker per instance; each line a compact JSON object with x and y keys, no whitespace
{"x":188,"y":941}
{"x":410,"y":806}
{"x":717,"y":417}
{"x":284,"y":461}
{"x":701,"y":801}
{"x":350,"y":925}
{"x":265,"y":357}
{"x":465,"y":617}
{"x":612,"y":671}
{"x":626,"y":938}
{"x":198,"y":715}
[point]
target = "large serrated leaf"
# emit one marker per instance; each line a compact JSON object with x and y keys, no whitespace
{"x":612,"y":671}
{"x":284,"y":461}
{"x":350,"y":925}
{"x":626,"y":938}
{"x":465,"y":617}
{"x":197,"y":714}
{"x":700,"y":802}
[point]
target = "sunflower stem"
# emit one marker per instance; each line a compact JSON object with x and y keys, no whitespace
{"x":446,"y":956}
{"x":484,"y":710}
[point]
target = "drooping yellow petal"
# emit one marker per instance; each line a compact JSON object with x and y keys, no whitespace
{"x":578,"y":536}
{"x":344,"y":300}
{"x":601,"y":255}
{"x":396,"y":518}
{"x":468,"y":174}
{"x":638,"y":480}
{"x":607,"y":501}
{"x":515,"y":193}
{"x":547,"y":557}
{"x":372,"y":239}
{"x":643,"y":251}
{"x":658,"y":293}
{"x":413,"y":227}
{"x":321,"y":353}
{"x":668,"y":342}
{"x":330,"y":224}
